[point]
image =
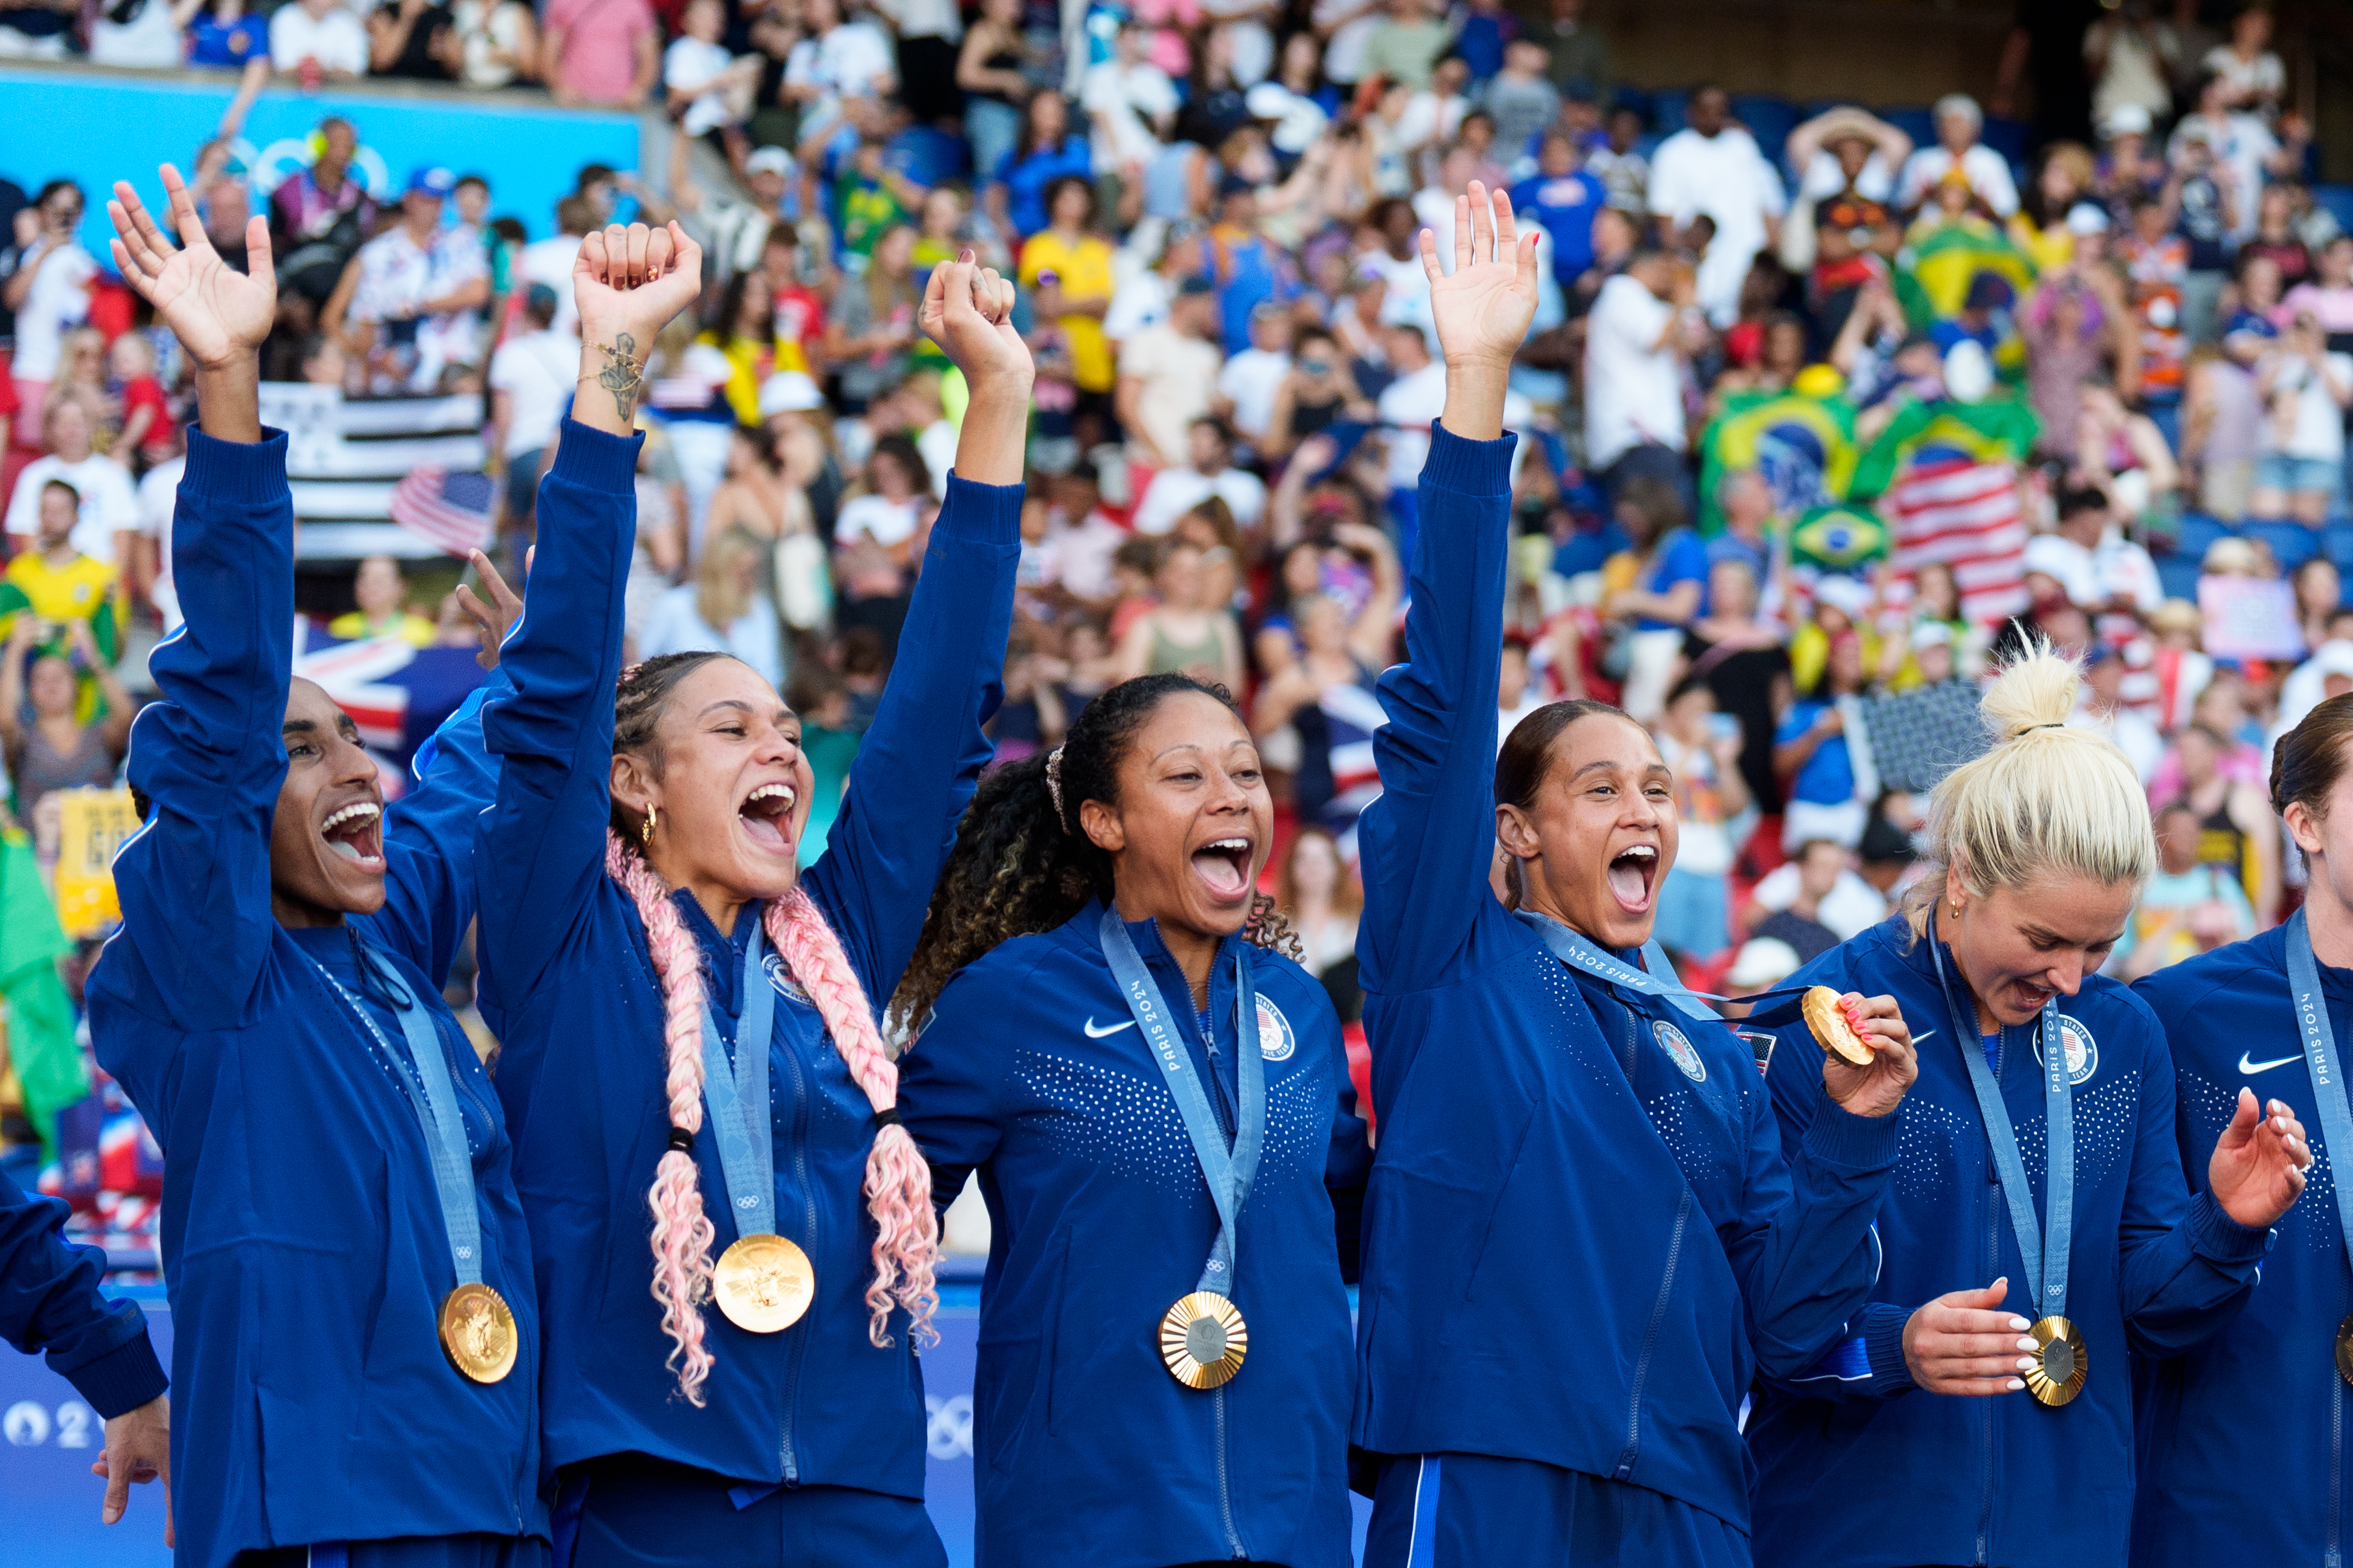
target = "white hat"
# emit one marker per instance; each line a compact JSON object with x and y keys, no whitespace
{"x":1931,"y":633}
{"x":789,"y":392}
{"x":2085,"y":218}
{"x":1968,"y":371}
{"x":1843,"y":593}
{"x":2125,"y":120}
{"x":1763,"y":962}
{"x":769,"y":160}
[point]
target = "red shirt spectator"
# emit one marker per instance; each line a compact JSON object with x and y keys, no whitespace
{"x":603,"y":51}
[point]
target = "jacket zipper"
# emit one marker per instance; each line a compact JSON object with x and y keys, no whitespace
{"x":1993,"y":1261}
{"x":2336,"y":1555}
{"x":808,"y":1201}
{"x":1625,"y":1470}
{"x":1234,"y":1547}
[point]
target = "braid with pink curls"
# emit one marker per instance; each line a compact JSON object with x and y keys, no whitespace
{"x":898,"y":1180}
{"x":682,"y":1233}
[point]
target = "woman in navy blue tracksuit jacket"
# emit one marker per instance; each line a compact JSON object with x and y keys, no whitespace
{"x":2245,"y":1451}
{"x":1032,"y":1068}
{"x":1581,"y":1236}
{"x":642,"y":841}
{"x":1916,"y":1440}
{"x":304,"y":1239}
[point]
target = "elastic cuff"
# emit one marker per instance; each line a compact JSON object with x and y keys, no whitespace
{"x":1469,"y":468}
{"x":2216,"y":1237}
{"x":124,"y":1379}
{"x":595,"y":460}
{"x":1858,"y":1143}
{"x":240,"y":473}
{"x":1883,"y":1343}
{"x":984,"y":514}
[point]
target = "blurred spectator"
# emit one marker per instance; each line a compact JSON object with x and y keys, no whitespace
{"x":2134,"y":58}
{"x":48,"y":290}
{"x":2190,"y":906}
{"x":1745,"y":665}
{"x":1642,"y":326}
{"x":722,"y":610}
{"x":1208,"y":471}
{"x":1188,"y":630}
{"x":51,"y":587}
{"x":492,"y":43}
{"x":1071,"y":269}
{"x":2328,"y":293}
{"x":37,"y":29}
{"x":989,"y":70}
{"x":2253,"y":78}
{"x":1578,"y":57}
{"x":317,"y":39}
{"x":600,"y":52}
{"x":1565,"y":199}
{"x":2241,"y":142}
{"x":1046,"y":150}
{"x":1960,"y":121}
{"x":2092,"y":561}
{"x":409,"y":38}
{"x":531,"y":377}
{"x":1712,"y":168}
{"x":143,"y":34}
{"x":1702,"y":749}
{"x":1253,"y":379}
{"x":1320,"y":894}
{"x":1404,"y":45}
{"x":713,"y":87}
{"x":1167,"y":375}
{"x":411,"y":295}
{"x":108,"y":509}
{"x":1824,"y":798}
{"x":1814,"y":874}
{"x":2236,"y":830}
{"x":2304,"y":388}
{"x":2100,"y":708}
{"x":1130,"y":104}
{"x":382,"y":597}
{"x":319,"y":217}
{"x":62,"y":746}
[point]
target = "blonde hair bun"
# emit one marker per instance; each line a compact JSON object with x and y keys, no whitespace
{"x":2034,"y":691}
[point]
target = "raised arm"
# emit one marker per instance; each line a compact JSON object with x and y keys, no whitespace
{"x":919,"y":761}
{"x":1427,"y":842}
{"x":542,"y":846}
{"x":195,"y":879}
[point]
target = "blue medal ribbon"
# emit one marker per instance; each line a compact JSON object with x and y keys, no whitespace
{"x":736,"y":1097}
{"x":2043,"y":1252}
{"x":445,"y":1126}
{"x":1581,"y":953}
{"x":2320,"y":1060}
{"x":1228,"y":1171}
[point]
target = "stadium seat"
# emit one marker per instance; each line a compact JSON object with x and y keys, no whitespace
{"x":2337,"y":544}
{"x":2197,"y":535}
{"x":1917,"y":124}
{"x":2337,"y":200}
{"x":2290,"y":544}
{"x":1769,"y":120}
{"x":2007,"y":137}
{"x":1666,"y":115}
{"x":2180,"y":576}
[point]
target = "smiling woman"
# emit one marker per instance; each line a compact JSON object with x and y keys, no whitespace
{"x":1112,"y":1030}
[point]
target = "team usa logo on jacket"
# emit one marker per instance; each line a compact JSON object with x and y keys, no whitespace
{"x":781,"y":978}
{"x":1276,"y":1040}
{"x":2083,"y":1051}
{"x":1686,"y":1055}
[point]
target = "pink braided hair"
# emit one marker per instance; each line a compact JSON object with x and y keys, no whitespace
{"x":898,"y":1180}
{"x":682,"y":1233}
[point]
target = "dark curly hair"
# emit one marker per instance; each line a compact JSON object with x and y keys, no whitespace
{"x":637,"y":704}
{"x":1020,"y":866}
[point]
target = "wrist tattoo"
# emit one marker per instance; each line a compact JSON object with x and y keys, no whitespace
{"x":623,"y":374}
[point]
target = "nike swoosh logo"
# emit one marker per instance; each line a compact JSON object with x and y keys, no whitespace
{"x":2249,"y":1069}
{"x":1096,"y":1034}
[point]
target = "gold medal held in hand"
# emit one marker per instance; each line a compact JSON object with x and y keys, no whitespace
{"x":763,"y":1284}
{"x":2061,"y":1361}
{"x":477,"y":1333}
{"x":1203,"y":1340}
{"x":1827,"y":1019}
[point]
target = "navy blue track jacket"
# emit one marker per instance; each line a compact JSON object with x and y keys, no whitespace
{"x":302,"y":1236}
{"x":1576,"y":1251}
{"x":49,"y":1300}
{"x":1090,"y":1455}
{"x":1859,"y":1468}
{"x":2244,"y":1453}
{"x":568,"y":986}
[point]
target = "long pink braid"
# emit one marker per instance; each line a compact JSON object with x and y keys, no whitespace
{"x":897,"y":1182}
{"x":682,"y":1233}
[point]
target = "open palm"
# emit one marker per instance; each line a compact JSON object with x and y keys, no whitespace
{"x":2257,"y":1169}
{"x":218,"y":313}
{"x":1484,"y":308}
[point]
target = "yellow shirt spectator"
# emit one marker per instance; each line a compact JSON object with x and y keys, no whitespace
{"x":1082,"y":264}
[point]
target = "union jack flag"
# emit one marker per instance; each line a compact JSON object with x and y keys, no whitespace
{"x":453,"y":511}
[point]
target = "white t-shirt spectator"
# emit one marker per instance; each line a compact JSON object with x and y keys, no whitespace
{"x":675,"y":625}
{"x":336,"y":40}
{"x":1139,"y":302}
{"x":1852,"y":907}
{"x":1250,"y":382}
{"x":548,"y":261}
{"x":1176,"y":491}
{"x":159,"y":495}
{"x":2263,"y":77}
{"x":2245,"y":143}
{"x":1987,"y":172}
{"x":397,"y":276}
{"x":1413,"y":403}
{"x":2317,"y":430}
{"x":1634,"y":387}
{"x":847,"y":62}
{"x":688,"y":63}
{"x":1083,"y":556}
{"x":885,"y":522}
{"x":2092,"y":577}
{"x":1826,"y":177}
{"x":1127,"y":99}
{"x":1725,"y":176}
{"x":58,"y":299}
{"x":1178,"y":372}
{"x":537,"y":371}
{"x":109,"y":503}
{"x":1348,"y":24}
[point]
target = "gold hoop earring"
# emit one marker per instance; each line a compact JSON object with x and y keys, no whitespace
{"x":646,"y":833}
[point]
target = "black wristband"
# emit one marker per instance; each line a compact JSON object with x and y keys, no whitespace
{"x":681,"y":1140}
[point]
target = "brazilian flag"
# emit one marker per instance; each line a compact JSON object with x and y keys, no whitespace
{"x":1838,"y":539}
{"x":1804,"y":447}
{"x":2000,"y":429}
{"x":1945,"y":254}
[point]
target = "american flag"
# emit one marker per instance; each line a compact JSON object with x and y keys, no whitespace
{"x":1965,"y":514}
{"x":452,"y":510}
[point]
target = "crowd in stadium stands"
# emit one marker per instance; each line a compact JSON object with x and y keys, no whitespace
{"x":1817,"y":419}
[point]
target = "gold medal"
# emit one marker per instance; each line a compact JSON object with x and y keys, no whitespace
{"x":763,"y":1284}
{"x":477,"y":1333}
{"x":2345,"y":1348}
{"x":2063,"y":1360}
{"x":1203,"y":1340}
{"x":1827,"y":1019}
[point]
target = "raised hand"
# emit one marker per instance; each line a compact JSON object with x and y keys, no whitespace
{"x":219,"y":314}
{"x":1484,"y":308}
{"x":1958,"y":1343}
{"x":2259,"y":1162}
{"x":492,"y":618}
{"x":1879,"y":1089}
{"x":628,"y":283}
{"x":968,"y":311}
